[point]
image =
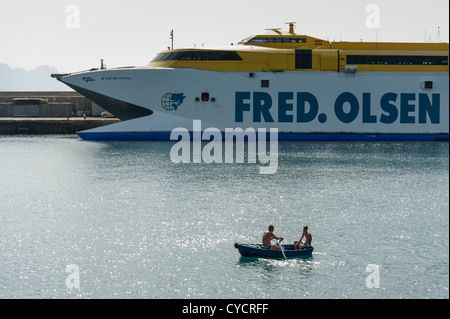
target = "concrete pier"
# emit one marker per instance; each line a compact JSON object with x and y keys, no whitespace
{"x":51,"y":125}
{"x":49,"y":113}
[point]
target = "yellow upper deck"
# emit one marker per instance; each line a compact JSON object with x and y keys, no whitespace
{"x":288,"y":51}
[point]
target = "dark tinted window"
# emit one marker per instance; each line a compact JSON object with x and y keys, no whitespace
{"x":303,"y":59}
{"x":397,"y":59}
{"x":198,"y":56}
{"x":277,"y":40}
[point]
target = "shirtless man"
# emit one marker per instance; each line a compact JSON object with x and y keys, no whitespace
{"x":308,"y":239}
{"x":268,"y":236}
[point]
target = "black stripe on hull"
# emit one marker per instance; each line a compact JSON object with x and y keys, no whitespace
{"x":121,"y":109}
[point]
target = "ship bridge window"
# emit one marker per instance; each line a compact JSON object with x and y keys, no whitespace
{"x":276,"y":40}
{"x":198,"y":56}
{"x":258,"y":40}
{"x":397,"y":59}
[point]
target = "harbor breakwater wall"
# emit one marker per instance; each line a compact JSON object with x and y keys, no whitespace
{"x":71,"y":125}
{"x":50,"y":112}
{"x":9,"y":101}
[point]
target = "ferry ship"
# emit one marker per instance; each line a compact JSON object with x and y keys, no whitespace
{"x":308,"y":88}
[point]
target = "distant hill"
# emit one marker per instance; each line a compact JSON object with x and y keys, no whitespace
{"x":39,"y":79}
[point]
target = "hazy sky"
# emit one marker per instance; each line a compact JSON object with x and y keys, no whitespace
{"x":74,"y":35}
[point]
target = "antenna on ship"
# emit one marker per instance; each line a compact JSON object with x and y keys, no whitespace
{"x":438,"y":36}
{"x":291,"y":27}
{"x":171,"y":38}
{"x":430,"y":39}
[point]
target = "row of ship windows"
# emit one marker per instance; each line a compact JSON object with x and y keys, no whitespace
{"x":303,"y":58}
{"x":275,"y":40}
{"x":397,"y":60}
{"x":198,"y":56}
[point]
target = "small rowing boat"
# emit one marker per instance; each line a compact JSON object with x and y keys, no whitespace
{"x":256,"y":250}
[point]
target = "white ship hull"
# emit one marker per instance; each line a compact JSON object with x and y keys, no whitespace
{"x":301,"y":105}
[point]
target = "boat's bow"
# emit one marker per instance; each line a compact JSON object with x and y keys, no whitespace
{"x":101,"y":87}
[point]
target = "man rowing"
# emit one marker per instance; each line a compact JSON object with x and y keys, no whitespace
{"x":268,"y":236}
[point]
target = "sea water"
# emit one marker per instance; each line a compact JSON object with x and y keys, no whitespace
{"x":85,"y":219}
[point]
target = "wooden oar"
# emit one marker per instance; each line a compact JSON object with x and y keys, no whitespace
{"x":282,"y":249}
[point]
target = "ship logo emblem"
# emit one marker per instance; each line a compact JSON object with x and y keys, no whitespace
{"x":171,"y":101}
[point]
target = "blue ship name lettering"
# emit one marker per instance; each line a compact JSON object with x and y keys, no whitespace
{"x":303,"y":107}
